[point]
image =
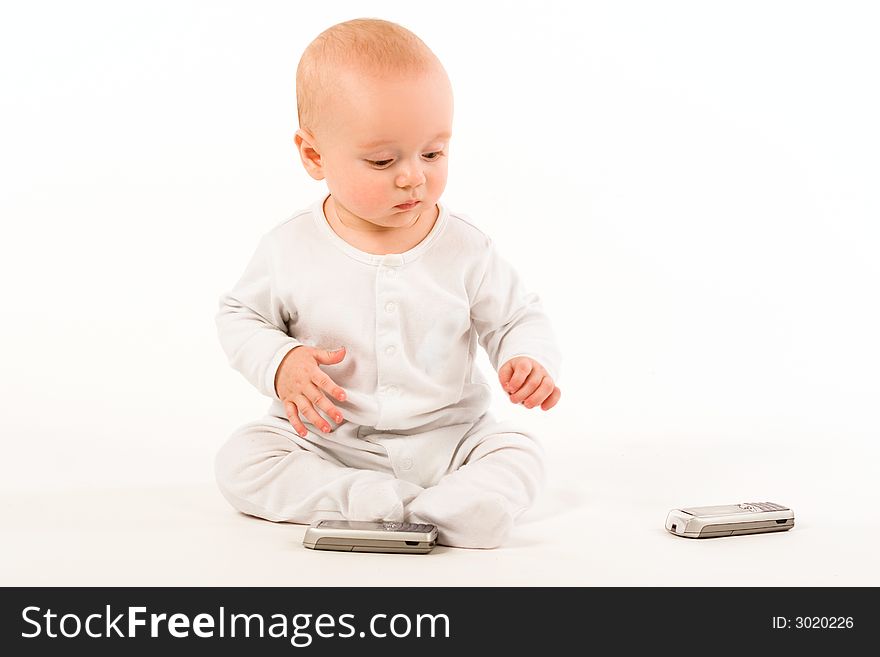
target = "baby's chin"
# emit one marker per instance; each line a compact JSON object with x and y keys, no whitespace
{"x":393,"y":224}
{"x":399,"y":218}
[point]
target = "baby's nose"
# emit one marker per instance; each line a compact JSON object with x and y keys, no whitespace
{"x":413,"y":176}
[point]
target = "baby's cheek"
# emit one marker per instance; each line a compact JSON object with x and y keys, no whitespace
{"x":437,"y":180}
{"x":369,"y":200}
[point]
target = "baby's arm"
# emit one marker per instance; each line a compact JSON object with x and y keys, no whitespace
{"x":252,"y":322}
{"x":516,"y":334}
{"x":252,"y":327}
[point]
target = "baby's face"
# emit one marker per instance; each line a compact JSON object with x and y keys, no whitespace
{"x":384,"y":144}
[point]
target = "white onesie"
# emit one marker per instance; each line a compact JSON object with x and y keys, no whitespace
{"x":410,"y":323}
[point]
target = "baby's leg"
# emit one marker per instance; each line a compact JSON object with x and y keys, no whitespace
{"x":494,"y":477}
{"x":266,"y":470}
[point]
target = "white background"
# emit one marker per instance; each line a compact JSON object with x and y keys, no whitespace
{"x":691,"y":188}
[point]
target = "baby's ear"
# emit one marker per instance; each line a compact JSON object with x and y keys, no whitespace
{"x":311,"y":158}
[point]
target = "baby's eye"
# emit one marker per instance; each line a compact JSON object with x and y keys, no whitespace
{"x":433,"y":156}
{"x":380,"y":164}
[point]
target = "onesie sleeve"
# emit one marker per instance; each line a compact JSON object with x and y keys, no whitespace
{"x":252,"y":322}
{"x":509,"y":319}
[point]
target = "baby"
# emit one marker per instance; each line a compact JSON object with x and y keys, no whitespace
{"x":360,"y":317}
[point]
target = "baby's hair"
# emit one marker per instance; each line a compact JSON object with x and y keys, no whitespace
{"x":369,"y":46}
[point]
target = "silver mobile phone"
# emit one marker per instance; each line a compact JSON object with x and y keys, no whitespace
{"x":729,"y":520}
{"x":362,"y":536}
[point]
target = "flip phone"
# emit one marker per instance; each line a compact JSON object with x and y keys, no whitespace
{"x":729,"y":520}
{"x":362,"y":536}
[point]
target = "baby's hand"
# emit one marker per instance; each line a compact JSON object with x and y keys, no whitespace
{"x":299,"y":381}
{"x":526,"y":381}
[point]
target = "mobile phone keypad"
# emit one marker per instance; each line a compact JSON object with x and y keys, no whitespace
{"x":405,"y":527}
{"x":757,"y":507}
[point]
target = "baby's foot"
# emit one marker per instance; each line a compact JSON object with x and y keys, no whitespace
{"x":469,"y":518}
{"x":380,"y":499}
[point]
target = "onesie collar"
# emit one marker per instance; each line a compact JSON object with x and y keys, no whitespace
{"x":373,"y":258}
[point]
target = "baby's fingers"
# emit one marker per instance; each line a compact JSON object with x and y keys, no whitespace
{"x":528,"y":387}
{"x":327,"y":384}
{"x":541,"y":393}
{"x":320,"y":401}
{"x":307,"y":408}
{"x":521,"y":369}
{"x":504,"y":374}
{"x":293,"y":416}
{"x":550,"y":402}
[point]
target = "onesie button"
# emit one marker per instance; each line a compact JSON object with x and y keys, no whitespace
{"x":390,"y":307}
{"x":392,"y":260}
{"x":391,"y":390}
{"x":406,"y":464}
{"x":389,"y":272}
{"x":390,"y":349}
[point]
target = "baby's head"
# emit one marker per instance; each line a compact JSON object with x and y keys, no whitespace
{"x":375,"y":116}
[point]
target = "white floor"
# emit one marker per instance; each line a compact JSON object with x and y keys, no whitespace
{"x":600,"y":522}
